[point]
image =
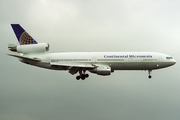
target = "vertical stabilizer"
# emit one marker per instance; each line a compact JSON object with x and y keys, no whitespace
{"x":23,"y":37}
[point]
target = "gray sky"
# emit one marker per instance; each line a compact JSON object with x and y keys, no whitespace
{"x":31,"y":93}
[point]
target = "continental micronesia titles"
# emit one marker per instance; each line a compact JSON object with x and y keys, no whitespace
{"x":127,"y":56}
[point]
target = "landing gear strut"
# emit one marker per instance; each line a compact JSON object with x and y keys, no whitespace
{"x":82,"y":76}
{"x":149,"y":72}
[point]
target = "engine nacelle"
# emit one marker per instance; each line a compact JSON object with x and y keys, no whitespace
{"x":32,"y":48}
{"x":102,"y":70}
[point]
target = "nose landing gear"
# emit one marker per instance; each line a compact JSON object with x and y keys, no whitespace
{"x":149,"y":72}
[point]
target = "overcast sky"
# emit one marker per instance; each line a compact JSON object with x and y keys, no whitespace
{"x":32,"y":93}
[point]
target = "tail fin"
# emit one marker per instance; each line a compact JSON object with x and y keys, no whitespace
{"x":23,"y":37}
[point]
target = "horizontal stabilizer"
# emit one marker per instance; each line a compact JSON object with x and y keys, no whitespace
{"x":22,"y":57}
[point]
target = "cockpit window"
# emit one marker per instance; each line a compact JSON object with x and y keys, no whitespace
{"x":168,"y":58}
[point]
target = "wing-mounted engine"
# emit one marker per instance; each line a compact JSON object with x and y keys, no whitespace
{"x":102,"y":70}
{"x":31,"y":48}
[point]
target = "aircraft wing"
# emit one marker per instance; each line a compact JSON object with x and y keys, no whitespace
{"x":32,"y":59}
{"x":73,"y":65}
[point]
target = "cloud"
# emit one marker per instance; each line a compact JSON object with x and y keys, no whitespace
{"x":51,"y":13}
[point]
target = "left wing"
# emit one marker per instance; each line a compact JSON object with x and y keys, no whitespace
{"x":73,"y":67}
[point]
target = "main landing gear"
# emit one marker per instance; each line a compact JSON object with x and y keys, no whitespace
{"x":149,"y":72}
{"x":81,"y":75}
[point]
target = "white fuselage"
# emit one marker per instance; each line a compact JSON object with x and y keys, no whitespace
{"x":116,"y":60}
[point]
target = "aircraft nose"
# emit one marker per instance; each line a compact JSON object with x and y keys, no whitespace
{"x":173,"y":61}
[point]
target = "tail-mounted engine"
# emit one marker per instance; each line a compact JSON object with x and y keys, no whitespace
{"x":32,"y":48}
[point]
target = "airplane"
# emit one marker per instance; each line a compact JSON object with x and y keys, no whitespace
{"x":100,"y":63}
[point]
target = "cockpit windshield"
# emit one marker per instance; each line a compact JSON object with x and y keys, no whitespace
{"x":168,"y":58}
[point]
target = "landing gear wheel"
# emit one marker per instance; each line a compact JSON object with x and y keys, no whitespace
{"x":149,"y":72}
{"x":149,"y":76}
{"x":86,"y":75}
{"x":82,"y":74}
{"x":83,"y":77}
{"x":78,"y":77}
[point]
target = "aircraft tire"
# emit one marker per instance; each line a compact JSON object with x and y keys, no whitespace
{"x":86,"y":75}
{"x":78,"y":77}
{"x":83,"y":77}
{"x":149,"y":76}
